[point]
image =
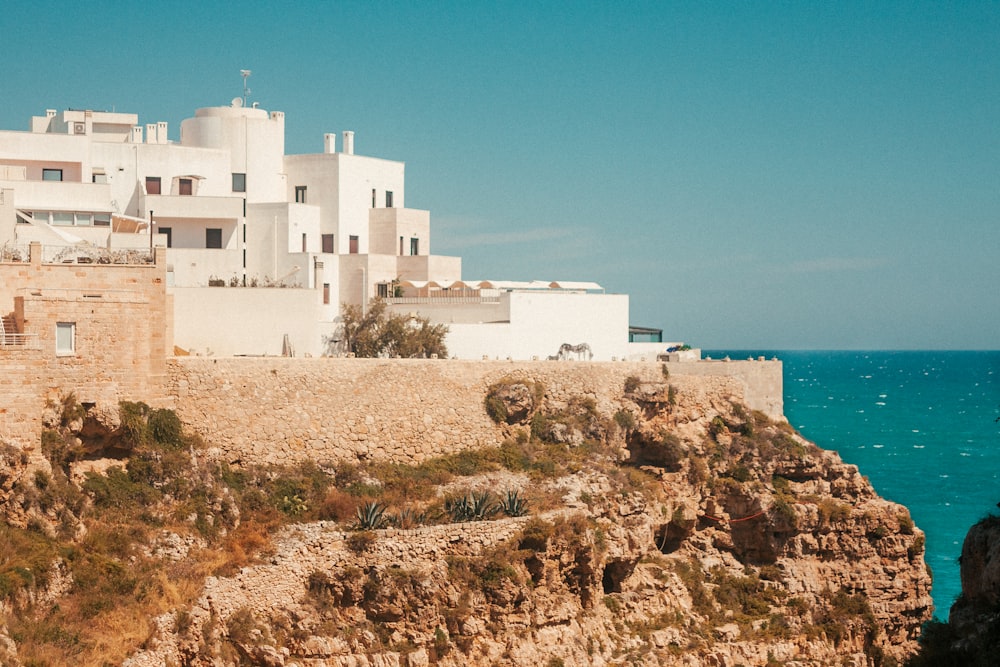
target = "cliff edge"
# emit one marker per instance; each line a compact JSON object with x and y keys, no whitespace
{"x":663,"y":524}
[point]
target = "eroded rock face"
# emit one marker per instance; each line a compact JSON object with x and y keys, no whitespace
{"x":517,"y":399}
{"x":978,"y":607}
{"x":751,"y":545}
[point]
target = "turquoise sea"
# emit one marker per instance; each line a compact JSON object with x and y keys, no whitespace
{"x":921,"y":425}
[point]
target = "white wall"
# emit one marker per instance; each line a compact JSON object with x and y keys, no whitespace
{"x":226,"y":321}
{"x":540,"y":322}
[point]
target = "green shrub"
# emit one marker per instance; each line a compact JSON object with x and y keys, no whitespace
{"x":134,"y":425}
{"x":625,"y":419}
{"x":165,"y":428}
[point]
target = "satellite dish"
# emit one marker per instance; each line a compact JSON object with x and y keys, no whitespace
{"x":237,"y":102}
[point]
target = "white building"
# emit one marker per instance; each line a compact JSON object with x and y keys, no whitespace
{"x":264,"y":247}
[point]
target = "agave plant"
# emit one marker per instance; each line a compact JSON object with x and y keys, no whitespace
{"x":372,"y":516}
{"x":512,"y":504}
{"x":458,"y":508}
{"x":482,"y":506}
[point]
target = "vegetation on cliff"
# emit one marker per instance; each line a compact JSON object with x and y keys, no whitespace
{"x":665,"y":530}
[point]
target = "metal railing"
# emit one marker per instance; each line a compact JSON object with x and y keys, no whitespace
{"x":21,"y":341}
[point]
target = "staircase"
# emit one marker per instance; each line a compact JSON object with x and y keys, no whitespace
{"x":8,"y":327}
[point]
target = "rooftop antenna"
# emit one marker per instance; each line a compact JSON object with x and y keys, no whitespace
{"x":245,"y":73}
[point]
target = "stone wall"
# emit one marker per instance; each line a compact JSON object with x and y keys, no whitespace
{"x":121,"y":336}
{"x":280,"y":411}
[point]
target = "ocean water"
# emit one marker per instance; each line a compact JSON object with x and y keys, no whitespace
{"x":921,"y":425}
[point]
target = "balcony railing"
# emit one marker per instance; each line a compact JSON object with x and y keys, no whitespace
{"x":19,"y":341}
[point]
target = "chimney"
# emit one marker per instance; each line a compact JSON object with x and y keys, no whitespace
{"x":137,"y":134}
{"x":50,"y":113}
{"x":150,"y":133}
{"x":161,"y":132}
{"x":348,"y":143}
{"x":329,"y":142}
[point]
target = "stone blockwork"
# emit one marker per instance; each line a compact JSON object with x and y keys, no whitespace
{"x":281,"y":411}
{"x":121,"y":336}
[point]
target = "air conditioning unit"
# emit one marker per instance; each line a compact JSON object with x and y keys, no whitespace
{"x":79,"y":128}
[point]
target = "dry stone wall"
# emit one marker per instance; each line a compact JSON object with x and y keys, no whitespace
{"x":281,"y":411}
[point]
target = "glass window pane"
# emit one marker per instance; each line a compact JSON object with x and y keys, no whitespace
{"x":64,"y":337}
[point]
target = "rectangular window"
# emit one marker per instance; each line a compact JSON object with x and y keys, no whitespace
{"x":169,"y":233}
{"x":84,"y":219}
{"x":239,"y":182}
{"x":185,"y":187}
{"x":152,"y":185}
{"x":388,"y":199}
{"x":99,"y":177}
{"x":102,"y":219}
{"x":373,"y":197}
{"x":400,"y":245}
{"x":383,"y":290}
{"x":300,"y":194}
{"x":51,"y":174}
{"x":213,"y":238}
{"x":328,"y":243}
{"x":304,"y":245}
{"x":414,"y":246}
{"x":65,"y":338}
{"x":326,"y":294}
{"x":353,"y":245}
{"x":62,"y":219}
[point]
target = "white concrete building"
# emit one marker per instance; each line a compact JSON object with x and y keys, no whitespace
{"x":263,"y":247}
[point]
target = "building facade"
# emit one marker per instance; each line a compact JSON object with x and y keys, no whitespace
{"x":262,"y":248}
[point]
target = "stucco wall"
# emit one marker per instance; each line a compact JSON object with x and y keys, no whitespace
{"x":280,"y":410}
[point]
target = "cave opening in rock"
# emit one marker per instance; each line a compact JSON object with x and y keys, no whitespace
{"x":616,"y":572}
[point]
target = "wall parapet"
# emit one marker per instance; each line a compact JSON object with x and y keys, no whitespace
{"x":281,"y":411}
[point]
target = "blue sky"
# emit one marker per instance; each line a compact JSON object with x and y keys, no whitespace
{"x":754,"y":175}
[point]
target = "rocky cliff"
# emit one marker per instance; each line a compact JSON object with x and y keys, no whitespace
{"x":670,"y":527}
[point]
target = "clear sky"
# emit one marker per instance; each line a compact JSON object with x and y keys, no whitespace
{"x":753,"y":174}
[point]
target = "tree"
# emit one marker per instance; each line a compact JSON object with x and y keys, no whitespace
{"x":374,"y":333}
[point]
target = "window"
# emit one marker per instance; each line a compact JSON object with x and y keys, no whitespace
{"x":414,"y":246}
{"x":51,"y":174}
{"x":304,"y":246}
{"x":353,"y":245}
{"x":383,"y":290}
{"x":328,"y":243}
{"x":152,"y":185}
{"x":239,"y":182}
{"x":65,"y":338}
{"x":99,"y":177}
{"x":62,"y":219}
{"x":213,"y":238}
{"x":373,"y":197}
{"x":184,"y":187}
{"x":326,"y":294}
{"x":102,"y":219}
{"x":84,"y":219}
{"x":388,"y":199}
{"x":400,"y":245}
{"x":300,"y":194}
{"x":169,"y":233}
